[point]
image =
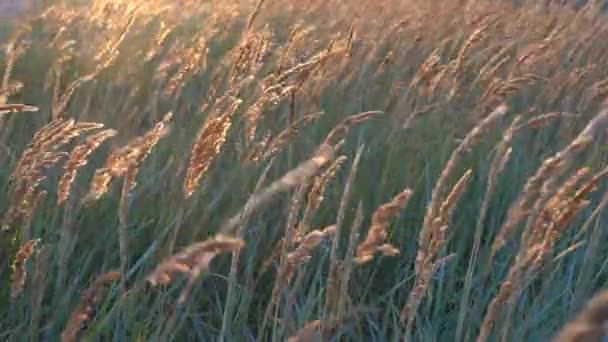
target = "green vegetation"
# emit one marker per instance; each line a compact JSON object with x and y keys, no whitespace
{"x":312,"y":170}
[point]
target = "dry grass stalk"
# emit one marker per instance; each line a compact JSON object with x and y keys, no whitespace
{"x":284,"y":84}
{"x":277,"y":144}
{"x":533,"y":252}
{"x":589,"y":325}
{"x":104,"y":59}
{"x":333,"y":290}
{"x":234,"y":263}
{"x":40,"y":278}
{"x":138,"y":150}
{"x":41,"y":142}
{"x":125,"y":161}
{"x":499,"y":90}
{"x":28,"y":213}
{"x":78,"y":159}
{"x":488,"y":70}
{"x":544,"y":119}
{"x":285,"y":245}
{"x":193,"y":59}
{"x":438,"y":194}
{"x":23,"y":196}
{"x":534,"y":51}
{"x":407,"y":124}
{"x":547,"y":172}
{"x":294,"y":177}
{"x":539,"y":210}
{"x":427,"y":69}
{"x":448,"y":205}
{"x":375,"y":241}
{"x":19,"y":272}
{"x":13,"y":88}
{"x":308,"y":333}
{"x":16,"y":108}
{"x":84,"y":310}
{"x":349,"y":259}
{"x":60,"y":103}
{"x":342,"y":128}
{"x":254,"y":14}
{"x":562,"y":211}
{"x":253,"y":115}
{"x":302,"y":254}
{"x":475,"y":37}
{"x":456,"y":65}
{"x":208,"y":145}
{"x":193,"y":260}
{"x":513,"y":280}
{"x":120,"y":30}
{"x":248,"y":55}
{"x":48,"y":139}
{"x":437,"y":239}
{"x":315,"y":197}
{"x":123,"y":237}
{"x":278,"y":86}
{"x":256,"y":151}
{"x":141,"y":148}
{"x":502,"y":156}
{"x":296,"y":33}
{"x":76,"y":131}
{"x":555,"y":205}
{"x":15,"y":48}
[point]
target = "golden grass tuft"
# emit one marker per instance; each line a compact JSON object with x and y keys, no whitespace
{"x":294,"y":177}
{"x":84,"y":310}
{"x":316,"y":195}
{"x":426,"y":266}
{"x":78,"y":159}
{"x":378,"y":232}
{"x":541,"y":238}
{"x":302,"y":254}
{"x":193,"y":260}
{"x":24,"y":195}
{"x":338,"y":132}
{"x":19,"y":272}
{"x":16,"y":108}
{"x":48,"y":140}
{"x":125,"y":161}
{"x":314,"y":200}
{"x":277,"y":143}
{"x":549,"y":171}
{"x":208,"y":143}
{"x":440,"y":189}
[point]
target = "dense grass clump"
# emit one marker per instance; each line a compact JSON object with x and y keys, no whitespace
{"x":318,"y":170}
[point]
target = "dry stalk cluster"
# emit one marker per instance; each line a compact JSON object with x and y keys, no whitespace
{"x":125,"y":161}
{"x":193,"y":261}
{"x":378,"y":232}
{"x":19,"y":274}
{"x":42,"y":153}
{"x":549,"y":210}
{"x":85,"y":309}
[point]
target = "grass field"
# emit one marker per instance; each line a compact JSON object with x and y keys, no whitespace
{"x":314,"y":170}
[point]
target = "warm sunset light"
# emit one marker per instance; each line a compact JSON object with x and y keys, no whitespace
{"x":303,"y":171}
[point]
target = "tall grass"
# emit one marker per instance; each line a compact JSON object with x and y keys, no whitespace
{"x":303,"y":171}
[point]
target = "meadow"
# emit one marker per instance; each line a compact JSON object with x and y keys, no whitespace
{"x":315,"y":170}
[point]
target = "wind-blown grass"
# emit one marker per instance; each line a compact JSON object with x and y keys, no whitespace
{"x":374,"y":170}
